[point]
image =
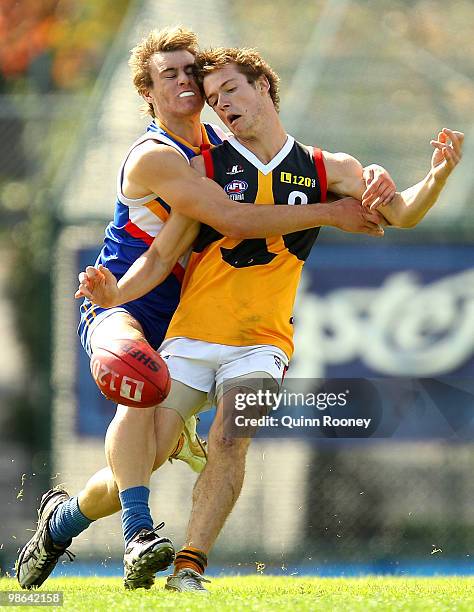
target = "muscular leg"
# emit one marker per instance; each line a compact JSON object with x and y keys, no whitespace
{"x":130,"y":433}
{"x":168,"y":428}
{"x":130,"y":442}
{"x":137,"y":442}
{"x":130,"y":446}
{"x":124,"y":440}
{"x":221,"y":479}
{"x":99,"y":497}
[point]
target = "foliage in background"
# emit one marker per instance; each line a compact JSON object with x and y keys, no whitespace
{"x":55,"y":44}
{"x":51,"y":52}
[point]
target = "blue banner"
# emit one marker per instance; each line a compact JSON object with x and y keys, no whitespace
{"x":365,"y":312}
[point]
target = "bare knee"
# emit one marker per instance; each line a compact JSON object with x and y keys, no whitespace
{"x":117,"y":325}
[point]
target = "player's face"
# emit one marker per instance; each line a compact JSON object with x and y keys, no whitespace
{"x":239,"y":104}
{"x":175,"y":91}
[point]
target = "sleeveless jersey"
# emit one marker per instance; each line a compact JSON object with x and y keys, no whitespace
{"x":242,"y":293}
{"x":137,"y":221}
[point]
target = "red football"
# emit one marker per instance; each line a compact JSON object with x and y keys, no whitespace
{"x":131,"y":373}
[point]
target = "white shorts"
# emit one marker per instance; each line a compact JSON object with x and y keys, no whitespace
{"x":204,"y":366}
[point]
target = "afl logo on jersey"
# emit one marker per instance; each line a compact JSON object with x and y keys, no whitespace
{"x":236,"y":189}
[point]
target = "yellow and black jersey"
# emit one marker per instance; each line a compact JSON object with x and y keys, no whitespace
{"x":241,"y":292}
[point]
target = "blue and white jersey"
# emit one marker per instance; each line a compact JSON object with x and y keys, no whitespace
{"x":135,"y":224}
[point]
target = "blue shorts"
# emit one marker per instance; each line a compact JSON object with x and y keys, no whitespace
{"x":154,"y":324}
{"x":153,"y":310}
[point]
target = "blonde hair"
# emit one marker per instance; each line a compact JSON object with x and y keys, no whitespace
{"x":157,"y":41}
{"x":248,"y":61}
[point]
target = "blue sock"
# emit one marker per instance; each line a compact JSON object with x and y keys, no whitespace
{"x":135,"y":511}
{"x":67,"y":521}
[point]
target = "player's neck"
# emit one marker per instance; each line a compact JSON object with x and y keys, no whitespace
{"x":187,"y":129}
{"x":267,"y":141}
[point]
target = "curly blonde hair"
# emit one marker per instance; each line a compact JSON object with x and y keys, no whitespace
{"x":176,"y":38}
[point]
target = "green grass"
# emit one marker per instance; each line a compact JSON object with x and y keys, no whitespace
{"x":267,"y":593}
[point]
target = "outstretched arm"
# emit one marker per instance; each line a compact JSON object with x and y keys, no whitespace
{"x":160,"y":169}
{"x":100,"y":286}
{"x":410,"y":206}
{"x":405,"y":209}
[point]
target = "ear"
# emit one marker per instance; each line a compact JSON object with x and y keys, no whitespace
{"x":263,"y":84}
{"x":146,"y":96}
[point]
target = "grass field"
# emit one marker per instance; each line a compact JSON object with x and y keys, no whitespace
{"x":266,"y":593}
